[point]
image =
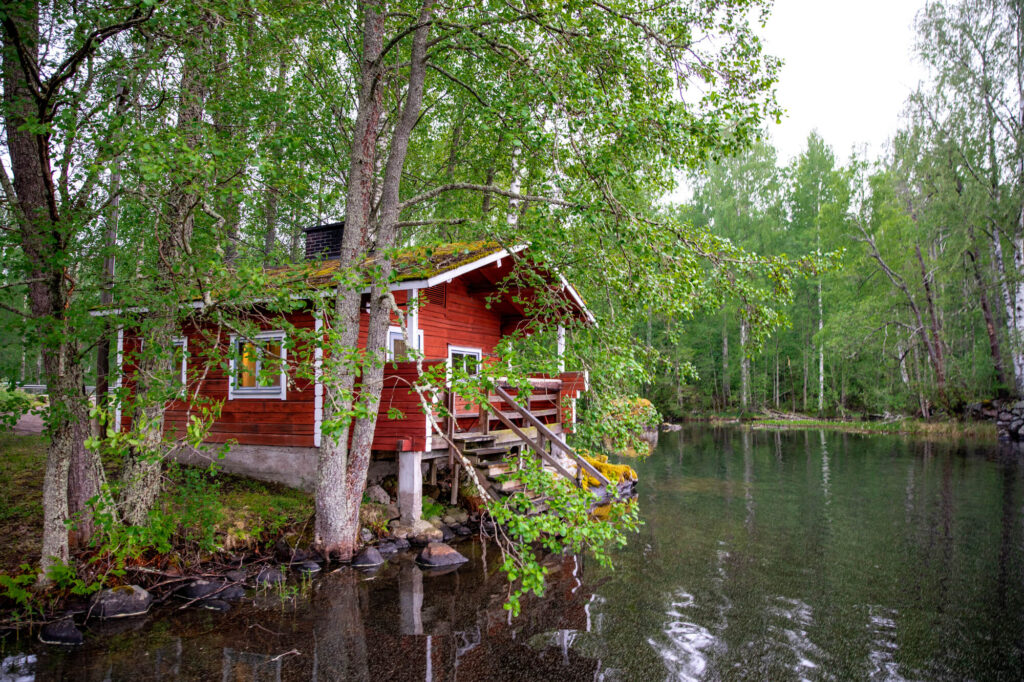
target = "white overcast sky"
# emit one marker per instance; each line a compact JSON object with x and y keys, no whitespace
{"x":848,"y":70}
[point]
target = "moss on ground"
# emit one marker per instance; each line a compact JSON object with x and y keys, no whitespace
{"x":255,"y":511}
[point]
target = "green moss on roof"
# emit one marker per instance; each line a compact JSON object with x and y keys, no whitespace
{"x":416,"y":262}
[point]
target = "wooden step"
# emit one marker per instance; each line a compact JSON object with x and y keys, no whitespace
{"x":536,"y":413}
{"x":510,"y":485}
{"x":534,"y":398}
{"x":495,"y":449}
{"x":493,"y":469}
{"x":473,"y":437}
{"x":483,"y":461}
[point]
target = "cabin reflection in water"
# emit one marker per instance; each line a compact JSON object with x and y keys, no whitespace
{"x":402,"y":624}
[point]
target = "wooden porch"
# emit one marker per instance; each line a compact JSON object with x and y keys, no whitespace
{"x":511,"y":424}
{"x":489,"y":433}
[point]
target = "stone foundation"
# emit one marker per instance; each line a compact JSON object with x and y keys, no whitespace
{"x":291,"y":466}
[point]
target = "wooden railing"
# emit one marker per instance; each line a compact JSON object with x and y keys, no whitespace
{"x":506,"y":409}
{"x":545,"y":434}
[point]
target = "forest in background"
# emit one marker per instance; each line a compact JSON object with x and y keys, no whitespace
{"x":923,"y":312}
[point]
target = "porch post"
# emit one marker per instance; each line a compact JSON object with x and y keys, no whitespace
{"x":410,"y":486}
{"x":561,"y":348}
{"x":412,"y":320}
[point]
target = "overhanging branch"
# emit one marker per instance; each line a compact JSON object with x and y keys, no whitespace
{"x":470,"y":187}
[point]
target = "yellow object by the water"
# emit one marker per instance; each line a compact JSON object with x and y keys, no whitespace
{"x":613,"y":472}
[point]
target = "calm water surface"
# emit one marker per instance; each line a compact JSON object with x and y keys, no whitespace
{"x":764,"y":555}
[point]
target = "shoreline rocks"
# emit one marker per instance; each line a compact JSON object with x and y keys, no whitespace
{"x":62,"y":632}
{"x":121,"y":602}
{"x":368,"y":557}
{"x":1008,"y":416}
{"x":269,"y":576}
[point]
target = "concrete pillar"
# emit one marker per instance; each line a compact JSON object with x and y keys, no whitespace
{"x":410,"y":486}
{"x":410,"y":599}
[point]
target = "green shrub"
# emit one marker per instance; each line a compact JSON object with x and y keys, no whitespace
{"x":432,"y":508}
{"x":619,"y":424}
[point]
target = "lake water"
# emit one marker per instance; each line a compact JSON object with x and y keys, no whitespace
{"x":764,"y":555}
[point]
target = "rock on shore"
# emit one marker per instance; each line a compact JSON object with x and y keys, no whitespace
{"x":121,"y":602}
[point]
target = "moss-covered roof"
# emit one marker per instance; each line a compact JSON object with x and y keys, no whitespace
{"x":414,"y":263}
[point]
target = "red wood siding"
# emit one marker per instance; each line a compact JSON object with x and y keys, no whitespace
{"x":248,"y":421}
{"x":398,"y":394}
{"x":457,"y":318}
{"x":464,"y":321}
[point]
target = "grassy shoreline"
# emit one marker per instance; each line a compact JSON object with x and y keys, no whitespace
{"x":919,"y":428}
{"x":244,"y":513}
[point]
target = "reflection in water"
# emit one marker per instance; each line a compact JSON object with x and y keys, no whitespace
{"x":748,"y":477}
{"x":882,"y":623}
{"x":763,"y":556}
{"x":826,"y":483}
{"x":410,"y":599}
{"x":18,"y":668}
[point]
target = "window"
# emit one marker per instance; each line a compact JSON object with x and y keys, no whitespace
{"x":179,"y":362}
{"x":258,"y":366}
{"x":396,"y":343}
{"x":465,"y":359}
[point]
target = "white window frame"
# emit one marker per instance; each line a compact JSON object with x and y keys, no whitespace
{"x":398,"y":331}
{"x":183,"y":342}
{"x":259,"y":392}
{"x":464,"y":350}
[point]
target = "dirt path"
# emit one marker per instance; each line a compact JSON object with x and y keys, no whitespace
{"x":29,"y":425}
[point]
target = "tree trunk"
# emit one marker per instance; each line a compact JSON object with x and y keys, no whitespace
{"x":821,"y":351}
{"x":109,"y":265}
{"x":935,"y":347}
{"x":1017,"y":338}
{"x":805,"y":380}
{"x":45,"y":241}
{"x":725,"y":362}
{"x":990,"y":326}
{"x":333,"y":495}
{"x":340,"y":538}
{"x":775,"y":391}
{"x":270,"y":220}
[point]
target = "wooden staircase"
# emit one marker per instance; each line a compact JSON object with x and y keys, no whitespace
{"x":505,"y":430}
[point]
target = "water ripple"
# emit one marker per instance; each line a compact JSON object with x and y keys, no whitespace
{"x":685,"y":655}
{"x":790,"y":633}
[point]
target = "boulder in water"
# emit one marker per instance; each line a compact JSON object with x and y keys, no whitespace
{"x":269,"y":576}
{"x":439,"y":555}
{"x":369,"y":557}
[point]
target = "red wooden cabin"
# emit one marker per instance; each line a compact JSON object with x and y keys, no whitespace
{"x":272,"y":419}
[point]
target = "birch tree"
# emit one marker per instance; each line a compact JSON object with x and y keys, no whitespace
{"x":49,"y":126}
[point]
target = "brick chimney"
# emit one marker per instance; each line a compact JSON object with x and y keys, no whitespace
{"x":323,"y":242}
